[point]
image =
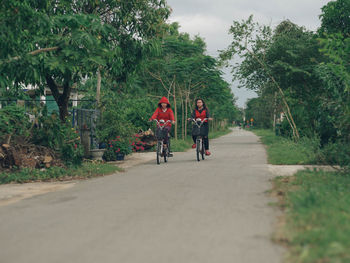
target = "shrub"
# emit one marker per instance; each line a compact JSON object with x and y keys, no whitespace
{"x":14,"y":121}
{"x":51,"y":132}
{"x":115,"y":147}
{"x":136,"y":144}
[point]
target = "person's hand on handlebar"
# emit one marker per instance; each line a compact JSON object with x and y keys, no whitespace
{"x":210,"y":119}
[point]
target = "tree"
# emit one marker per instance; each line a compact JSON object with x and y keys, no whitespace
{"x":68,"y":41}
{"x":335,"y":18}
{"x":251,"y":42}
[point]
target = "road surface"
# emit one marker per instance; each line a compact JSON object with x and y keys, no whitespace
{"x":213,"y":211}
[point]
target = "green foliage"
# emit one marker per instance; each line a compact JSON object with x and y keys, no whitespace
{"x":335,"y":18}
{"x":14,"y":121}
{"x":51,"y":132}
{"x":337,"y":153}
{"x":87,"y":170}
{"x":65,"y":42}
{"x":181,"y":145}
{"x":113,"y":122}
{"x":285,"y":151}
{"x":317,"y":226}
{"x":115,"y":147}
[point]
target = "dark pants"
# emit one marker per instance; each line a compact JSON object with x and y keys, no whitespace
{"x":166,"y":139}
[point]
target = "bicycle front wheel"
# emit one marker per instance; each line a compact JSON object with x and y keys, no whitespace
{"x":198,"y":146}
{"x":202,"y":150}
{"x":159,"y":150}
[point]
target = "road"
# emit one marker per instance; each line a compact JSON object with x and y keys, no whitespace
{"x":180,"y":212}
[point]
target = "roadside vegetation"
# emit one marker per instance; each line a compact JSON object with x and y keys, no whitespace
{"x":84,"y":48}
{"x":316,"y":215}
{"x":302,"y":79}
{"x":84,"y":171}
{"x":283,"y":150}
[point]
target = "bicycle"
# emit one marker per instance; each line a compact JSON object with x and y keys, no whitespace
{"x":161,"y":134}
{"x":200,"y":149}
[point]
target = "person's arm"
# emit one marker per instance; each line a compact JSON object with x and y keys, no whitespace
{"x":155,"y":114}
{"x":172,"y":118}
{"x":208,"y":115}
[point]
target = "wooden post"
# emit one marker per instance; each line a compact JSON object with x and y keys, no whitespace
{"x":175,"y":109}
{"x":98,"y":88}
{"x":183,"y":118}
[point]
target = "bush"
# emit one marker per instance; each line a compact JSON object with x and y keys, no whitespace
{"x":51,"y":132}
{"x":136,"y":144}
{"x":115,"y":147}
{"x":337,"y":153}
{"x":14,"y":121}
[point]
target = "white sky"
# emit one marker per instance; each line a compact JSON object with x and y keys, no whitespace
{"x":211,"y":19}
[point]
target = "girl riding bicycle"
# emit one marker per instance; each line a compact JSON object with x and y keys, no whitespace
{"x":201,"y":112}
{"x":164,"y":112}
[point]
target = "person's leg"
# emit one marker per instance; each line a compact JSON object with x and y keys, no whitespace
{"x":206,"y":138}
{"x":194,"y":138}
{"x":206,"y":143}
{"x":167,"y":137}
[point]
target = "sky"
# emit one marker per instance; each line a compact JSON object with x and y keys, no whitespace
{"x":211,"y":19}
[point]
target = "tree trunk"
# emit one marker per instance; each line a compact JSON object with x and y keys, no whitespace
{"x":63,"y":108}
{"x":183,"y":119}
{"x":61,"y":99}
{"x":275,"y":113}
{"x":186,"y":115}
{"x":175,"y":109}
{"x":98,"y":88}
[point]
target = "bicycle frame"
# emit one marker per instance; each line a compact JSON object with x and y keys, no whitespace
{"x":199,"y":140}
{"x":161,"y":124}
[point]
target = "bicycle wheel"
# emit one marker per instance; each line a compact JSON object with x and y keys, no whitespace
{"x":159,"y":150}
{"x":166,"y":152}
{"x":198,"y":145}
{"x":202,"y":150}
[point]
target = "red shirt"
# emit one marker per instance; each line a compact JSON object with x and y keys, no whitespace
{"x":166,"y":115}
{"x":201,"y":114}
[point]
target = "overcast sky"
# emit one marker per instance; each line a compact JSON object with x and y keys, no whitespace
{"x":211,"y":20}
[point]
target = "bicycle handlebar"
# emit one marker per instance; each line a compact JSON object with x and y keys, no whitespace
{"x":160,"y":121}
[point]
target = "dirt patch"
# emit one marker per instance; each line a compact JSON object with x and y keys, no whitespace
{"x":135,"y":159}
{"x":12,"y":193}
{"x":289,"y":170}
{"x":25,"y":155}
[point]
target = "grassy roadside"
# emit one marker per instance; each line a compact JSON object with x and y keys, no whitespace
{"x":317,"y":213}
{"x":315,"y":225}
{"x":87,"y":170}
{"x":284,"y":151}
{"x":184,"y":145}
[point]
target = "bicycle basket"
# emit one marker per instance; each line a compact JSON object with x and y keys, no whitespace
{"x":161,"y":133}
{"x":196,"y":131}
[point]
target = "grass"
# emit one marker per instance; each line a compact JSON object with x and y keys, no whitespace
{"x":317,"y":216}
{"x":181,"y":145}
{"x":184,"y":145}
{"x":217,"y":134}
{"x":87,"y":170}
{"x":285,"y":151}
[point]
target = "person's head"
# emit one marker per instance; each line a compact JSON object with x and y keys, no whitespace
{"x":164,"y":103}
{"x":200,"y":104}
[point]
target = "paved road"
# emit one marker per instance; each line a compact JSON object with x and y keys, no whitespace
{"x":181,"y":212}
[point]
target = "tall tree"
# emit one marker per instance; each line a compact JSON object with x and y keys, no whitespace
{"x":67,"y":41}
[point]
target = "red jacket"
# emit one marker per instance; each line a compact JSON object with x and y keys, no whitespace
{"x":204,"y":113}
{"x":166,"y":115}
